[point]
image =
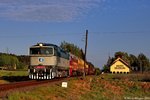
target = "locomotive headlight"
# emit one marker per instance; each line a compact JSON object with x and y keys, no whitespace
{"x":40,"y":44}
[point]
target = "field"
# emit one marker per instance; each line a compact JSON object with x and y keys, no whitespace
{"x":102,"y":87}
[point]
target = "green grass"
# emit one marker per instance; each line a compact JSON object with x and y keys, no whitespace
{"x":130,"y":77}
{"x":103,"y":87}
{"x":13,"y":73}
{"x":40,"y":93}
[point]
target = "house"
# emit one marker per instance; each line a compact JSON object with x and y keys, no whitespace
{"x":119,"y":66}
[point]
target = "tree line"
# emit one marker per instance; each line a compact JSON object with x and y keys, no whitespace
{"x":72,"y":48}
{"x":136,"y":63}
{"x":12,"y":62}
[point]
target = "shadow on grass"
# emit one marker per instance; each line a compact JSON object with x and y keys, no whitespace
{"x":15,"y":78}
{"x":133,"y":77}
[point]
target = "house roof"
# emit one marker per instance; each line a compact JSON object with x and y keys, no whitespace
{"x":119,"y":59}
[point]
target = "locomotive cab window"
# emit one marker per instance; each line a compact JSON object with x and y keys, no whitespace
{"x":45,"y":51}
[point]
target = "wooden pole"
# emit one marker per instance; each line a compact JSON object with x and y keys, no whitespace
{"x":85,"y":52}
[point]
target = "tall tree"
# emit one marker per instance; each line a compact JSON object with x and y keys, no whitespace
{"x":106,"y":69}
{"x":134,"y":62}
{"x":110,"y":61}
{"x":123,"y":55}
{"x":72,"y":48}
{"x":143,"y":62}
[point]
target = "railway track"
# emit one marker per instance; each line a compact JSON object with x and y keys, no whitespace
{"x":18,"y":85}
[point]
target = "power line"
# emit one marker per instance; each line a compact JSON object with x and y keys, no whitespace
{"x":23,"y":35}
{"x":121,"y":32}
{"x":37,"y":35}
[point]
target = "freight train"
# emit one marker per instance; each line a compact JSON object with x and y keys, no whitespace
{"x":48,"y":61}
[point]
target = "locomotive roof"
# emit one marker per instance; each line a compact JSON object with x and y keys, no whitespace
{"x":45,"y":44}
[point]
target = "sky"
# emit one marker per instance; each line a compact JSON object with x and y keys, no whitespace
{"x":113,"y":25}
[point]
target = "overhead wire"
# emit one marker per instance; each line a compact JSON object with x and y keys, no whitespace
{"x":70,"y":34}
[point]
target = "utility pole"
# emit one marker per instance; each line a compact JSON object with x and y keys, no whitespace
{"x":7,"y":50}
{"x":86,"y":39}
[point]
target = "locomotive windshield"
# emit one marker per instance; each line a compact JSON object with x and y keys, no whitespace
{"x":45,"y":50}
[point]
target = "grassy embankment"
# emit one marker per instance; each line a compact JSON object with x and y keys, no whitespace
{"x":5,"y":73}
{"x":103,"y":87}
{"x":13,"y":73}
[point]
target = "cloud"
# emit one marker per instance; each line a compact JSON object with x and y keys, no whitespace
{"x":46,"y":10}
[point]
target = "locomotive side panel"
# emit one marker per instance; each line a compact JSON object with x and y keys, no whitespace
{"x":63,"y":64}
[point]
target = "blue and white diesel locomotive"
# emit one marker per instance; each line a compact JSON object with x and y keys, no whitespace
{"x":48,"y":61}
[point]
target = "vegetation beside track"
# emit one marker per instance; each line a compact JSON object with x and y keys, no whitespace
{"x":103,"y":87}
{"x":12,"y":76}
{"x":13,"y":73}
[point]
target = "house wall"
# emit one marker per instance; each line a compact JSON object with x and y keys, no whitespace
{"x":119,"y":67}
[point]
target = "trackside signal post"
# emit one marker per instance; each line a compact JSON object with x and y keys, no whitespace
{"x":85,"y":51}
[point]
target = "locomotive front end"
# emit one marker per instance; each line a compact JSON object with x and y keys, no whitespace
{"x":42,"y":62}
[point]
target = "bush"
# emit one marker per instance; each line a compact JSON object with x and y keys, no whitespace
{"x":97,"y":71}
{"x":11,"y":62}
{"x":21,"y":66}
